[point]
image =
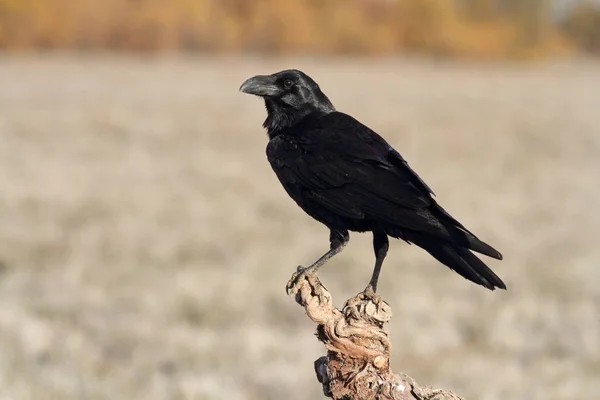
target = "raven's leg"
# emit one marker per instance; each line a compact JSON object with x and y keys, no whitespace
{"x":338,"y":240}
{"x":380,"y":245}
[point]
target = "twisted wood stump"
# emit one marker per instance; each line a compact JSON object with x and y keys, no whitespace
{"x":357,"y":364}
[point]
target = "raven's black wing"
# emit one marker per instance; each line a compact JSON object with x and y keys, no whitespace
{"x":352,"y":171}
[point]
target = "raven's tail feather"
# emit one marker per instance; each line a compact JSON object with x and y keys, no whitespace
{"x":462,"y":235}
{"x":458,"y":259}
{"x":470,"y":241}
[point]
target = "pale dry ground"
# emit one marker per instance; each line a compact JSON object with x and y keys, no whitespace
{"x":145,"y":243}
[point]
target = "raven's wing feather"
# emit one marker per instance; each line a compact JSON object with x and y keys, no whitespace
{"x":346,"y":167}
{"x":352,"y":171}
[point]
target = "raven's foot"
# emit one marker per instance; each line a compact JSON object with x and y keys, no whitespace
{"x":355,"y":306}
{"x":368,"y":294}
{"x":297,"y":280}
{"x":370,"y":291}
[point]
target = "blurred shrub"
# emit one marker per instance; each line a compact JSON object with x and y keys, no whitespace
{"x":583,"y":25}
{"x":452,"y":28}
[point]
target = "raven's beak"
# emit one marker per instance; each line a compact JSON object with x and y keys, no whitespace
{"x":261,"y":85}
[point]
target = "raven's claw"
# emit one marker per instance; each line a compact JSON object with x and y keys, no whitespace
{"x":297,"y":280}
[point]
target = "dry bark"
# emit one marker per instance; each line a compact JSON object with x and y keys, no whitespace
{"x":357,"y":364}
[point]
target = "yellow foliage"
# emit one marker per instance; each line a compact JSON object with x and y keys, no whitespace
{"x":441,"y":27}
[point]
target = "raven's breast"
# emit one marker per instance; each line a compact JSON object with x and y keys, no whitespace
{"x":292,"y":163}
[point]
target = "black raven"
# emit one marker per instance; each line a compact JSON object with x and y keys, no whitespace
{"x":349,"y":178}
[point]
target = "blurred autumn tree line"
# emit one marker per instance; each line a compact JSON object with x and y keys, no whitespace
{"x":452,"y":28}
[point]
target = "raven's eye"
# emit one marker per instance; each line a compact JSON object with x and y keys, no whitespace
{"x":288,"y":84}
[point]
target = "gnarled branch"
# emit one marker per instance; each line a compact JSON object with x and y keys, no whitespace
{"x":357,"y":364}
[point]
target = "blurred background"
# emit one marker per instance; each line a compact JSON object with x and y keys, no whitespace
{"x":145,"y":242}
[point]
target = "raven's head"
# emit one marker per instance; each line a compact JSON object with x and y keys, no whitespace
{"x":289,"y":96}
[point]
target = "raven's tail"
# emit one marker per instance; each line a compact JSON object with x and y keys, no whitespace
{"x":458,"y":259}
{"x":462,"y":236}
